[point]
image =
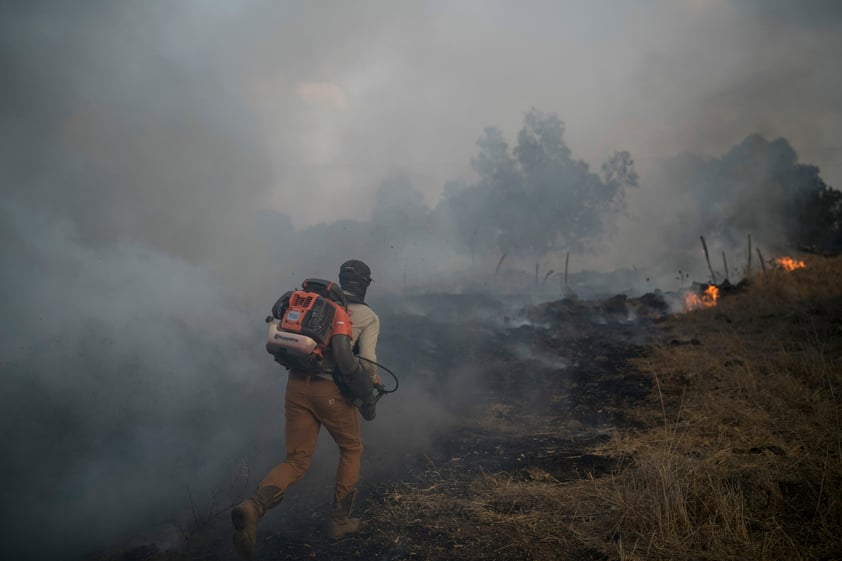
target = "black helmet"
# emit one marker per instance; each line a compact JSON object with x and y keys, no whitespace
{"x":354,"y":278}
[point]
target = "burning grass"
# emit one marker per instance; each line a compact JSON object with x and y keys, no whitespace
{"x":789,"y":264}
{"x":744,"y":456}
{"x":735,"y":453}
{"x":747,"y":460}
{"x":707,"y":299}
{"x":740,"y":457}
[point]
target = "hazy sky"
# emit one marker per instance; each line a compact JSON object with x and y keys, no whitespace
{"x":286,"y":103}
{"x":362,"y":91}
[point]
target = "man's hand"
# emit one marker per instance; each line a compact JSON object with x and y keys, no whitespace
{"x":376,"y":380}
{"x":368,"y":410}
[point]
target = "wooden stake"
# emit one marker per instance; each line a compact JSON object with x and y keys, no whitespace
{"x":762,"y":262}
{"x":748,"y":269}
{"x":500,"y":262}
{"x":547,"y":275}
{"x":725,"y":262}
{"x":707,"y":258}
{"x":566,"y":261}
{"x":536,"y":275}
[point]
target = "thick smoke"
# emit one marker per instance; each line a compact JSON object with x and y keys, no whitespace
{"x":137,"y":265}
{"x":168,"y":169}
{"x":757,"y":190}
{"x":128,"y":378}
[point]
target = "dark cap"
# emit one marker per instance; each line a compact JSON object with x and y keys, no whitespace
{"x":354,"y":277}
{"x":355,"y":268}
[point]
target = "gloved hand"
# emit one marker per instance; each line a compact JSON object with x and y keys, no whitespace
{"x":368,"y":410}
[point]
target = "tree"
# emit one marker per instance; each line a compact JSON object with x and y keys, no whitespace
{"x":619,"y":174}
{"x":819,"y":213}
{"x":536,"y":197}
{"x":759,"y":187}
{"x":400,"y":216}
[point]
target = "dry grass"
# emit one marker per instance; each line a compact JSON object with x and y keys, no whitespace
{"x":742,"y":458}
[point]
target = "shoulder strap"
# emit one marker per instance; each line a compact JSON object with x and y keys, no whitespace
{"x":326,"y":288}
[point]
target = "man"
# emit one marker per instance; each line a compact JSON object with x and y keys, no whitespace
{"x":354,"y":278}
{"x":314,"y":399}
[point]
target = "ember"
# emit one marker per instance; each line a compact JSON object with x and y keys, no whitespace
{"x":789,"y":264}
{"x":707,"y":299}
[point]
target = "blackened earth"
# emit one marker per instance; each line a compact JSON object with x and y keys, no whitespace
{"x":526,"y":386}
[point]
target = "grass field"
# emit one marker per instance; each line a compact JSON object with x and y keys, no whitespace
{"x":712,"y":434}
{"x":735,"y":454}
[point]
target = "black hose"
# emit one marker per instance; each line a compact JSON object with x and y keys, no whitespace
{"x":381,"y":389}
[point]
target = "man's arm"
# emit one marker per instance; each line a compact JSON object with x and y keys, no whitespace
{"x":368,"y":347}
{"x":353,"y":378}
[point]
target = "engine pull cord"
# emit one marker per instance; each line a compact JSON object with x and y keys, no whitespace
{"x":381,"y":389}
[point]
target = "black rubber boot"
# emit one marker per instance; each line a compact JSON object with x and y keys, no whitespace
{"x":340,"y":522}
{"x":247,"y":514}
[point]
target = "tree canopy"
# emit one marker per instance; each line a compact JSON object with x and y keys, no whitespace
{"x":534,"y":197}
{"x":760,"y":187}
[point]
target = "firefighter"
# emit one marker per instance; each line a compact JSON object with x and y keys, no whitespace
{"x":314,"y":399}
{"x":354,"y":278}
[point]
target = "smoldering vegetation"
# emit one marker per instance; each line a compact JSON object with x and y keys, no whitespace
{"x":140,"y":256}
{"x":541,"y":224}
{"x":136,"y":381}
{"x":538,"y":221}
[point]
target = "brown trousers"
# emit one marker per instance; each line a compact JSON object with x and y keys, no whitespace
{"x":310,"y":403}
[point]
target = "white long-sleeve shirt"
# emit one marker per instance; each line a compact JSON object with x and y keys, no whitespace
{"x":365,"y":330}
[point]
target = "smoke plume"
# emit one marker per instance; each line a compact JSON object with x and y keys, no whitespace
{"x":168,"y":169}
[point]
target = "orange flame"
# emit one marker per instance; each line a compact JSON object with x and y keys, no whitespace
{"x":707,"y":299}
{"x":789,"y":264}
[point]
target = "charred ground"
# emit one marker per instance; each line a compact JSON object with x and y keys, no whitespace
{"x":599,"y":429}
